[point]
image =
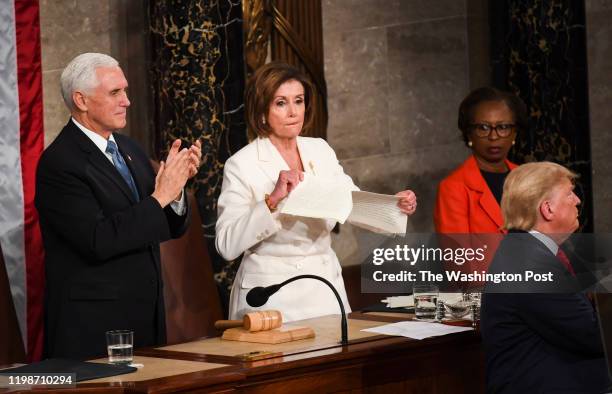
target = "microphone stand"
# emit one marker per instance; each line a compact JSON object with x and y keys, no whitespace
{"x":258,"y":296}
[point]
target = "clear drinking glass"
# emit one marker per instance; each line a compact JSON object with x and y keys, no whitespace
{"x":425,"y":300}
{"x":120,"y":344}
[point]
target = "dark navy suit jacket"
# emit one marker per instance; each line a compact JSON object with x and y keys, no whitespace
{"x":102,"y":246}
{"x":543,"y":338}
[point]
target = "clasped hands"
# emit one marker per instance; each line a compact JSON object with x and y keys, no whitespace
{"x":288,"y":180}
{"x":173,"y":174}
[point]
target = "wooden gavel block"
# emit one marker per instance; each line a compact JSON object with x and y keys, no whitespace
{"x":254,"y":321}
{"x":262,"y":327}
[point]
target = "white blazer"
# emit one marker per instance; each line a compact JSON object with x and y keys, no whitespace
{"x":277,"y":247}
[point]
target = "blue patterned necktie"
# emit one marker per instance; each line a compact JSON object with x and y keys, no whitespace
{"x":121,"y":166}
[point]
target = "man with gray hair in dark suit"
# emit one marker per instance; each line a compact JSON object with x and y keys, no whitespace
{"x":103,"y":213}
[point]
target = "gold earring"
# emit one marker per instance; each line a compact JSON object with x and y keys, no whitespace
{"x":470,"y":144}
{"x":263,"y":120}
{"x":513,"y":142}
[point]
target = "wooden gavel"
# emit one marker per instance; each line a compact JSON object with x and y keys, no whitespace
{"x":254,"y":321}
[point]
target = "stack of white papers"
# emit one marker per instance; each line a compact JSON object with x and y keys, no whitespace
{"x":378,"y":213}
{"x":416,"y":329}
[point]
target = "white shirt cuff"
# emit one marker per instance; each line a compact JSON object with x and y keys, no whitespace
{"x":179,"y":206}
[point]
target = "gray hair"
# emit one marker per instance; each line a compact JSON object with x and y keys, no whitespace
{"x":80,"y":74}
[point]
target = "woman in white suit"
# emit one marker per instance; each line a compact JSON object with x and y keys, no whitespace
{"x":256,"y":180}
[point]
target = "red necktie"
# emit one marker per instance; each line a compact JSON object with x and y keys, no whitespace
{"x":565,"y":261}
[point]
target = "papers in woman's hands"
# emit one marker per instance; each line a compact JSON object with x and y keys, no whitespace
{"x":378,"y":213}
{"x":319,"y":197}
{"x":323,"y":198}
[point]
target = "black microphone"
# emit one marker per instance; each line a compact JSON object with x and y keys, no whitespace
{"x":258,"y":296}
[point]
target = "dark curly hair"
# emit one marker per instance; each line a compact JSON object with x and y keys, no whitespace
{"x":481,"y":95}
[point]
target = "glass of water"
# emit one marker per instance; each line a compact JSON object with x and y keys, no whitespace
{"x":120,"y":344}
{"x":425,"y":300}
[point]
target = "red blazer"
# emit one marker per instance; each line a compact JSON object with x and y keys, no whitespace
{"x":465,"y":203}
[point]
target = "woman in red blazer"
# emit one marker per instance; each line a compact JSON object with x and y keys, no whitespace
{"x":468,"y":199}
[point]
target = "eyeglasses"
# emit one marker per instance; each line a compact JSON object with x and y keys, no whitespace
{"x":483,"y":130}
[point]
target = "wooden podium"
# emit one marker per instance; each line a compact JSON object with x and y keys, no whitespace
{"x":370,"y":363}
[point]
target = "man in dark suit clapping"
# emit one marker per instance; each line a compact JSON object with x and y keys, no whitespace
{"x":540,"y":337}
{"x":103,"y":213}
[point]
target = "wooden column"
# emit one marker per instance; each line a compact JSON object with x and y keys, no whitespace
{"x":295,"y":32}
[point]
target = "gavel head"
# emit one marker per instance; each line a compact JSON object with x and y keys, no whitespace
{"x":262,"y":320}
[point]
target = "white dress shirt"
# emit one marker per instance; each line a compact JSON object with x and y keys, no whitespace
{"x":546,"y":240}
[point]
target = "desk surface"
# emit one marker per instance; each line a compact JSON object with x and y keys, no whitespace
{"x":326,"y":330}
{"x":155,"y":368}
{"x":385,"y":364}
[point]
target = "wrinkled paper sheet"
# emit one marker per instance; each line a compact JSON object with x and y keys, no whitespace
{"x":417,"y":329}
{"x":319,"y":197}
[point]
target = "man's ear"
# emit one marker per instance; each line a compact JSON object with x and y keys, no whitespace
{"x":80,"y":101}
{"x":546,"y":211}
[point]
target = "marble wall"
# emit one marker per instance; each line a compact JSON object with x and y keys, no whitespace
{"x":396,"y":71}
{"x":599,"y":53}
{"x":543,"y":59}
{"x":197,"y":76}
{"x":68,"y":27}
{"x":71,"y":27}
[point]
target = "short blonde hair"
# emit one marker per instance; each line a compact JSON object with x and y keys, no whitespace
{"x":524,"y":190}
{"x":260,"y":91}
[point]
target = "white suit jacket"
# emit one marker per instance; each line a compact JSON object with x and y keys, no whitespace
{"x":276,"y":246}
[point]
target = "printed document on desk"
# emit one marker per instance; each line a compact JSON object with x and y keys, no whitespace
{"x":378,"y":212}
{"x":416,"y":329}
{"x":319,"y":197}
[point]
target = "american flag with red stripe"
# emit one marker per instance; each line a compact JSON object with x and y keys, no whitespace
{"x":21,"y":144}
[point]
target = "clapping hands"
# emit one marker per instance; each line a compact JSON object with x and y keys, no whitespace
{"x":173,"y":174}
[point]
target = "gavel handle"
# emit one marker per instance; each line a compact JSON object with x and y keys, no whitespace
{"x":223,"y":324}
